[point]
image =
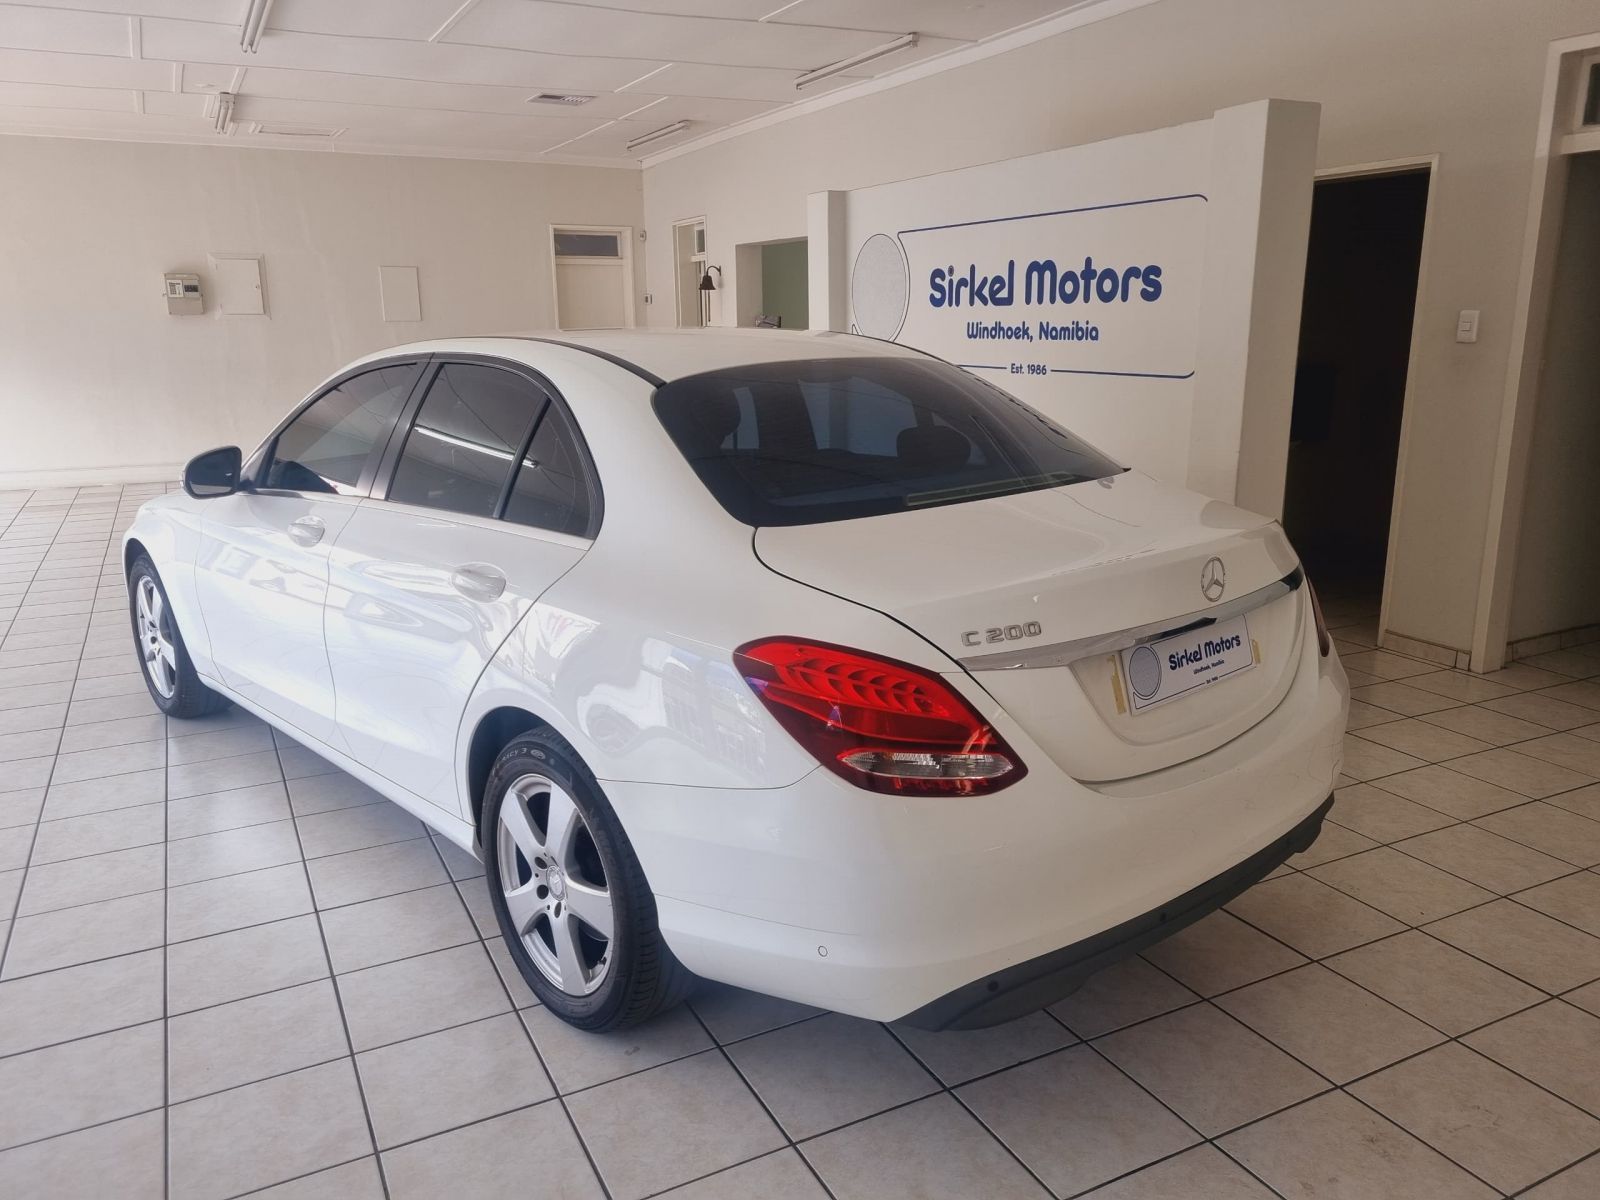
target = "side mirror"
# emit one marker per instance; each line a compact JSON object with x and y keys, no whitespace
{"x":214,"y":473}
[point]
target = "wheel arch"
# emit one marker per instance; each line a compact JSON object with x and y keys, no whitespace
{"x":492,"y":734}
{"x":131,"y":551}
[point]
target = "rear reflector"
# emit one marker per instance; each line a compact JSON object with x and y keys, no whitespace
{"x":1324,"y":639}
{"x":881,"y":724}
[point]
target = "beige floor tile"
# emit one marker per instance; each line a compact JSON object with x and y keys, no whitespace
{"x":358,"y":1180}
{"x":1584,"y":801}
{"x":244,"y":962}
{"x":1450,"y":990}
{"x":76,"y":1084}
{"x":1383,"y":816}
{"x":378,"y":931}
{"x":1220,"y":952}
{"x":1529,"y":945}
{"x":780,"y":1176}
{"x":1328,"y":1023}
{"x":235,"y":901}
{"x":1400,"y":698}
{"x":957,"y":1158}
{"x":1387,"y":665}
{"x":1499,"y":1126}
{"x":1397,"y":884}
{"x":213,"y":855}
{"x":1497,"y":729}
{"x":131,"y":1151}
{"x":507,"y":1156}
{"x":234,"y":809}
{"x":247,"y":1040}
{"x":1532,"y":777}
{"x":1315,"y":919}
{"x":1542,"y":710}
{"x":1335,"y":1148}
{"x":1555,"y":1045}
{"x":1363,"y":715}
{"x":1550,"y":830}
{"x":1574,"y":900}
{"x":1485,"y":858}
{"x":1209,"y":1069}
{"x":1366,"y":760}
{"x":1568,"y":750}
{"x":1585,"y":694}
{"x":671,"y":1124}
{"x":68,"y":936}
{"x":1075,"y":1120}
{"x":75,"y":1002}
{"x":1431,"y":743}
{"x":822,"y":1073}
{"x":420,"y":995}
{"x":1451,"y":792}
{"x":577,"y":1059}
{"x":1461,"y":685}
{"x":959,"y":1055}
{"x":375,"y":872}
{"x":87,"y":880}
{"x":424,"y":1086}
{"x":1128,"y":991}
{"x":1581,"y":1182}
{"x":1522,"y":677}
{"x":1202,"y":1172}
{"x":1333,"y":842}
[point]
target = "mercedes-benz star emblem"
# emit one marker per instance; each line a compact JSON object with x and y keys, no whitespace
{"x":1213,"y":579}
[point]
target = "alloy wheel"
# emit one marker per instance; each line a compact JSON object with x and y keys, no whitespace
{"x":156,"y":645}
{"x":554,"y":884}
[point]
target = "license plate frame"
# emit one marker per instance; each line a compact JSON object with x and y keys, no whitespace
{"x":1155,"y":672}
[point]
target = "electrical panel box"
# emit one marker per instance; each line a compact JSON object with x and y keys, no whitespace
{"x":183,"y":295}
{"x":237,"y":280}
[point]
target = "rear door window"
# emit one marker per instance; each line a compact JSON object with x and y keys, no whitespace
{"x":798,"y":443}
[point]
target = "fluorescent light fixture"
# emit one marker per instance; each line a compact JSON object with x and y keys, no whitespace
{"x":222,"y":114}
{"x":665,"y":131}
{"x":559,"y":98}
{"x":904,"y":41}
{"x":255,"y":24}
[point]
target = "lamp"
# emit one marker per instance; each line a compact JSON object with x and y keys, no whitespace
{"x":904,"y":41}
{"x":255,"y":24}
{"x":708,"y":284}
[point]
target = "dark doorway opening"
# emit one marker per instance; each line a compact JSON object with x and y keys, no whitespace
{"x":1350,"y":382}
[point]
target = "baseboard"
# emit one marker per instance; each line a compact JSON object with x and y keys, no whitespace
{"x":1445,"y":656}
{"x":1544,"y":643}
{"x":13,"y":481}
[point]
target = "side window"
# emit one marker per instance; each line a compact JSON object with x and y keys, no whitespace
{"x":466,"y":439}
{"x":553,"y":489}
{"x":327,"y":446}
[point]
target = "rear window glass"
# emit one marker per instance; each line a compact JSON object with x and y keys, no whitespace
{"x":799,"y":443}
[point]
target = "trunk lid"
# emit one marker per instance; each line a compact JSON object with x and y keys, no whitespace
{"x":1038,"y":594}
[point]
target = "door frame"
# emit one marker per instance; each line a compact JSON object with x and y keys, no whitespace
{"x":1399,"y":166}
{"x":695,"y":256}
{"x":625,"y":243}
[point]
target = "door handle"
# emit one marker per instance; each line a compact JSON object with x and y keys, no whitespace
{"x":478,"y":581}
{"x":306,"y":531}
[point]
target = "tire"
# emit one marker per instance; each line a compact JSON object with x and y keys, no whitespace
{"x":557,"y":862}
{"x":164,"y":660}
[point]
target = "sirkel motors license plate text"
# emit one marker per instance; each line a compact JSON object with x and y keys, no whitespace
{"x":1175,"y":666}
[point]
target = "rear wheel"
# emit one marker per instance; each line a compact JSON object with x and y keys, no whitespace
{"x":168,"y":671}
{"x":569,"y":893}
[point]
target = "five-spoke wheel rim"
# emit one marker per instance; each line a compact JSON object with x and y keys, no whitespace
{"x":155,"y":637}
{"x":554,"y":884}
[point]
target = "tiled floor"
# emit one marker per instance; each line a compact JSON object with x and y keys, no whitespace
{"x":230,"y":968}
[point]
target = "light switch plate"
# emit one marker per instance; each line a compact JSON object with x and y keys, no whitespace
{"x":1467,"y":325}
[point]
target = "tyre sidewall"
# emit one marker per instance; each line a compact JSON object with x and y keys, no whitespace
{"x":531,"y":754}
{"x":190,"y":697}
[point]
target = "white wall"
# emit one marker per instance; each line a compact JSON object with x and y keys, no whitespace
{"x":96,"y":378}
{"x":1558,"y":550}
{"x":1456,"y":78}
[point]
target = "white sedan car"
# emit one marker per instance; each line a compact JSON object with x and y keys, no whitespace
{"x":804,"y":662}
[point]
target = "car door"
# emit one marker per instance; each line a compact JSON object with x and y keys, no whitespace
{"x":489,"y":500}
{"x":261,"y":570}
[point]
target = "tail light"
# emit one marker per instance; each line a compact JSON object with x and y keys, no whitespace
{"x":881,"y":724}
{"x":1324,"y":639}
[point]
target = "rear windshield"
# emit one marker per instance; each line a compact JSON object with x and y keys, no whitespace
{"x":799,"y":443}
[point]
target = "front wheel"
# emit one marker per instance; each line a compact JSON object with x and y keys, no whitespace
{"x":168,"y":671}
{"x":569,"y":893}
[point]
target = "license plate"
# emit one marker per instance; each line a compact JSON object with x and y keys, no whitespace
{"x":1175,"y":666}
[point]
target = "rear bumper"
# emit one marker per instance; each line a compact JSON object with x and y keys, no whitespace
{"x":1018,"y":990}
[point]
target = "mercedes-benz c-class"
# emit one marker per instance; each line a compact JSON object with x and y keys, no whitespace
{"x":804,"y":662}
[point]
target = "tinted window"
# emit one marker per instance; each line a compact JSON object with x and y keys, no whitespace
{"x":466,"y":438}
{"x":804,"y":442}
{"x":326,"y":447}
{"x":553,"y":488}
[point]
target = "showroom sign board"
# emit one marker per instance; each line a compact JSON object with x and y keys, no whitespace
{"x":1143,"y":290}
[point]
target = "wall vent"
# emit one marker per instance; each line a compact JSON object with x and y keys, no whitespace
{"x":559,"y":98}
{"x":294,"y":131}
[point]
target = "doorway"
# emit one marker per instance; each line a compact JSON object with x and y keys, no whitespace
{"x":1362,"y":264}
{"x":689,"y":268}
{"x":593,"y":272}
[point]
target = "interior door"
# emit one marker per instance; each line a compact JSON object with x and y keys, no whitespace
{"x":489,"y":502}
{"x":261,"y":572}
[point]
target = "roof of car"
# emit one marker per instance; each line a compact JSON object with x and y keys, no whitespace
{"x":667,"y":354}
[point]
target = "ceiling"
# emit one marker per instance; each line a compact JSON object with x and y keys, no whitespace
{"x":455,"y":77}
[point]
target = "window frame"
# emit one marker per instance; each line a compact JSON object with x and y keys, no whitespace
{"x":253,"y":475}
{"x":383,"y":478}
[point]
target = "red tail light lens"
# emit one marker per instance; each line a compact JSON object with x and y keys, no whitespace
{"x":883,"y":725}
{"x":1324,"y":639}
